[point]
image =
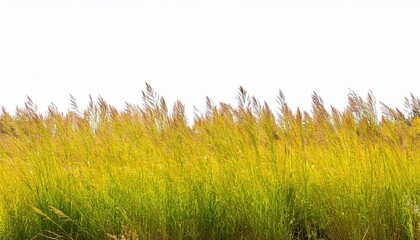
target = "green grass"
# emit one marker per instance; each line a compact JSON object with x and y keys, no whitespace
{"x":242,"y":172}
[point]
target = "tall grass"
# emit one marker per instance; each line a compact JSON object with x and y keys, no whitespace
{"x":240,"y":172}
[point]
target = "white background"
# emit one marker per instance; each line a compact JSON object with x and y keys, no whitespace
{"x":188,"y":50}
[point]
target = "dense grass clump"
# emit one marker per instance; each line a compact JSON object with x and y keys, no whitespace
{"x":241,"y":172}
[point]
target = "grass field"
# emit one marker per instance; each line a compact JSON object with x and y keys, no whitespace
{"x":240,"y":172}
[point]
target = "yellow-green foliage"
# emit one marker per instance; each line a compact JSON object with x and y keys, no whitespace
{"x":242,"y":172}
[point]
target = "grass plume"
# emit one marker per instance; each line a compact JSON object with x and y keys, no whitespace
{"x":239,"y":172}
